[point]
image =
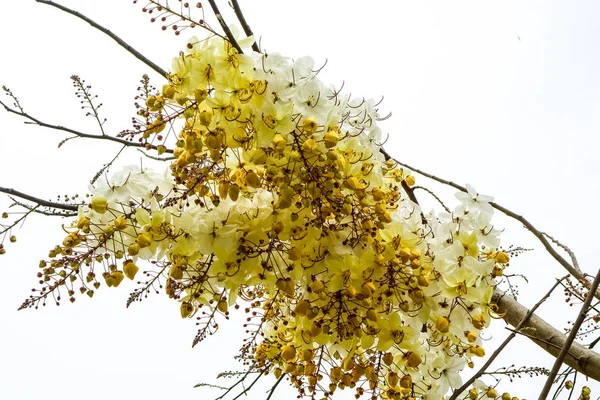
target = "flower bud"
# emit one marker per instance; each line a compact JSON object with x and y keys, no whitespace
{"x":234,"y":192}
{"x":279,"y":142}
{"x":477,"y":351}
{"x":144,"y":239}
{"x":83,"y":222}
{"x":99,"y":204}
{"x":222,"y":306}
{"x":288,"y":353}
{"x":569,"y":385}
{"x":410,"y":180}
{"x":392,"y":379}
{"x":186,"y":309}
{"x":471,"y":336}
{"x":388,"y":358}
{"x":310,"y":126}
{"x":302,"y":307}
{"x":413,"y":359}
{"x":336,"y":374}
{"x":130,"y":269}
{"x":491,"y":393}
{"x":118,"y":276}
{"x":478,"y":321}
{"x":317,"y":287}
{"x":442,"y":324}
{"x":120,"y":223}
{"x":331,"y":138}
{"x":502,"y":257}
{"x":406,"y":382}
{"x":168,"y":91}
{"x":200,"y":95}
{"x":133,"y":249}
{"x":252,"y":179}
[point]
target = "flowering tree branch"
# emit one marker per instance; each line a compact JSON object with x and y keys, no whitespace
{"x":573,"y":269}
{"x":500,"y":348}
{"x":303,"y":191}
{"x":547,"y":337}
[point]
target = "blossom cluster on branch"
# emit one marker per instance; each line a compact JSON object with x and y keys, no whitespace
{"x":279,"y":201}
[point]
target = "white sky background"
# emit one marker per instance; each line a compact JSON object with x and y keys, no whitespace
{"x":471,"y":102}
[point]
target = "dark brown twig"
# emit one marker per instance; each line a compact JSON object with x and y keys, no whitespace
{"x":107,"y":32}
{"x":37,"y":200}
{"x":224,"y":26}
{"x":245,"y":26}
{"x":75,"y":132}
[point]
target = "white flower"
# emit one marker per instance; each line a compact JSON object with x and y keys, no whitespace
{"x":474,"y":201}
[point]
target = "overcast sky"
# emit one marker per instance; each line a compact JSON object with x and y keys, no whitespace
{"x":501,"y":95}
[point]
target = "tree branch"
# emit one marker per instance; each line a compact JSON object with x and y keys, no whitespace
{"x":572,"y":269}
{"x":547,"y":337}
{"x":43,"y":203}
{"x":75,"y":132}
{"x":245,"y":26}
{"x":510,"y":337}
{"x":107,"y":32}
{"x":570,"y":339}
{"x":224,"y":26}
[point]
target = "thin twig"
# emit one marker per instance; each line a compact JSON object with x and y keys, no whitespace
{"x":434,"y":196}
{"x":224,"y":26}
{"x":37,"y":200}
{"x":34,"y":209}
{"x":275,"y":386}
{"x":570,"y":339}
{"x":107,"y":32}
{"x":565,"y":248}
{"x":75,"y":132}
{"x":245,"y":26}
{"x":510,"y":337}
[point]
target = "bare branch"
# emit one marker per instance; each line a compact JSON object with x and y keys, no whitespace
{"x":547,"y":337}
{"x":224,"y":26}
{"x":37,"y":200}
{"x":107,"y":32}
{"x":245,"y":26}
{"x":570,"y":339}
{"x":500,"y":348}
{"x":35,"y":209}
{"x":76,"y":132}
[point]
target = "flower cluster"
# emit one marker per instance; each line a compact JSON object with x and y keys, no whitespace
{"x":279,"y":201}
